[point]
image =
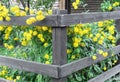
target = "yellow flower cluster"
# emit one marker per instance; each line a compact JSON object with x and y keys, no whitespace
{"x":75,"y":4}
{"x":115,"y":4}
{"x":8,"y":31}
{"x":6,"y":45}
{"x":47,"y":57}
{"x":5,"y":73}
{"x":39,"y":17}
{"x":94,"y":57}
{"x":1,"y":28}
{"x":4,"y":13}
{"x":41,"y":38}
{"x":104,"y":54}
{"x":15,"y":10}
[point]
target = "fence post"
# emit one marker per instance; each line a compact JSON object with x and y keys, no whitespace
{"x":59,"y":43}
{"x":117,"y":26}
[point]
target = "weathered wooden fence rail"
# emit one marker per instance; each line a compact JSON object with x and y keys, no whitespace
{"x":60,"y":70}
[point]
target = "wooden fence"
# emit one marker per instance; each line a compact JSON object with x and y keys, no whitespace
{"x":59,"y":70}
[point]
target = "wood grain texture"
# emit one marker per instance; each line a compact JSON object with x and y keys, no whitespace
{"x":48,"y":21}
{"x":59,"y":49}
{"x":77,"y":65}
{"x":59,"y":44}
{"x":106,"y":75}
{"x":65,"y":19}
{"x":39,"y":68}
{"x":70,"y":19}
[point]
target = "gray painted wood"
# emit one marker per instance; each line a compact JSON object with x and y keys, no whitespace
{"x":69,"y":19}
{"x":106,"y":75}
{"x":65,"y":19}
{"x":59,"y":42}
{"x":4,"y":80}
{"x":77,"y":65}
{"x":48,"y":21}
{"x":117,"y":22}
{"x":39,"y":68}
{"x":117,"y":26}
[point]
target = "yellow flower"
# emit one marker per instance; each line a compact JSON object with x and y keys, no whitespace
{"x":68,"y":51}
{"x":5,"y":45}
{"x":26,"y":9}
{"x":100,"y":51}
{"x":6,"y":37}
{"x":14,"y":80}
{"x":76,"y":7}
{"x":94,"y":57}
{"x":10,"y":47}
{"x":73,"y":57}
{"x":40,"y":17}
{"x":95,"y":39}
{"x":17,"y":77}
{"x":115,"y":61}
{"x":39,"y":12}
{"x":77,"y":1}
{"x":44,"y":28}
{"x":100,"y":42}
{"x":104,"y":68}
{"x":50,"y":12}
{"x":9,"y":78}
{"x":47,"y":62}
{"x":98,"y":35}
{"x":28,"y":37}
{"x":40,"y":35}
{"x":30,"y":20}
{"x":3,"y":72}
{"x":7,"y":18}
{"x":31,"y":11}
{"x":17,"y":13}
{"x":46,"y":56}
{"x":15,"y":38}
{"x":74,"y":4}
{"x":23,"y":43}
{"x":1,"y":18}
{"x":9,"y":28}
{"x":45,"y":44}
{"x":110,"y":8}
{"x":100,"y":24}
{"x":34,"y":33}
{"x":110,"y":37}
{"x":1,"y":28}
{"x":23,"y":13}
{"x":91,"y":35}
{"x":105,"y":54}
{"x":42,"y":39}
{"x":75,"y":44}
{"x":30,"y":31}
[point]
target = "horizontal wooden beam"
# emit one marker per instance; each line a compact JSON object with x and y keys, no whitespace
{"x":106,"y":75}
{"x":4,"y":80}
{"x":65,"y":19}
{"x":77,"y":65}
{"x":69,"y":19}
{"x":39,"y":68}
{"x":48,"y":21}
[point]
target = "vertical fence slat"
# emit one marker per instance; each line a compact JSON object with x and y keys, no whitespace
{"x":68,"y":6}
{"x":117,"y":26}
{"x":59,"y":48}
{"x":59,"y":37}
